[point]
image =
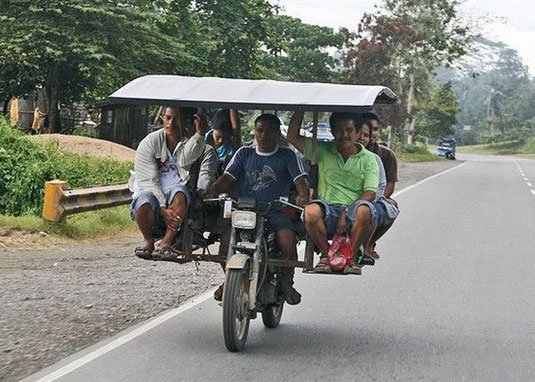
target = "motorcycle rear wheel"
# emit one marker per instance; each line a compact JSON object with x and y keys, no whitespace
{"x":271,"y":317}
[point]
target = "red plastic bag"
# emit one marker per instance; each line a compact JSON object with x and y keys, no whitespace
{"x":340,"y":252}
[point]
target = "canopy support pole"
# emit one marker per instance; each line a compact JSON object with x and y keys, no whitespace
{"x":309,"y":248}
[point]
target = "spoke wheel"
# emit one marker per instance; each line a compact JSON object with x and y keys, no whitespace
{"x":236,"y":309}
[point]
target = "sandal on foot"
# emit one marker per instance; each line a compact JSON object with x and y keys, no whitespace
{"x":323,"y":266}
{"x":291,"y":296}
{"x":366,"y":260}
{"x":352,"y":269}
{"x":144,"y":252}
{"x":218,"y":294}
{"x":374,"y":255}
{"x":167,"y":253}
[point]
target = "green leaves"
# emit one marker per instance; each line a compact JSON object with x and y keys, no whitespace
{"x":25,"y":166}
{"x":437,"y":115}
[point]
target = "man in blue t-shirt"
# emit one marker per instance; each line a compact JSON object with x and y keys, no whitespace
{"x":266,"y":172}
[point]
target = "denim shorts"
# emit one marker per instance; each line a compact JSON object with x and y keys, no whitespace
{"x":332,"y":212}
{"x":148,"y":197}
{"x":278,"y":220}
{"x":387,"y":211}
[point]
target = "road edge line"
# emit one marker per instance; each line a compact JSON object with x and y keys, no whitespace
{"x":122,"y":338}
{"x":396,"y":194}
{"x":165,"y":316}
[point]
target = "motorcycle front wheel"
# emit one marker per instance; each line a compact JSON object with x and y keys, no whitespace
{"x":236,"y":309}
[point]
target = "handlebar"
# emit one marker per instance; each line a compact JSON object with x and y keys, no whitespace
{"x":283,"y":200}
{"x":225,"y":197}
{"x":220,"y":199}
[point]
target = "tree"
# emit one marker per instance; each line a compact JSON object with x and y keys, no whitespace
{"x":407,"y":39}
{"x":296,"y":51}
{"x":232,"y":33}
{"x":494,"y":95}
{"x":437,"y":115}
{"x":79,"y":47}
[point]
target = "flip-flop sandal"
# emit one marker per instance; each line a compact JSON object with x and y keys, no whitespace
{"x":218,"y":293}
{"x":144,"y":252}
{"x":375,"y":255}
{"x":167,"y":253}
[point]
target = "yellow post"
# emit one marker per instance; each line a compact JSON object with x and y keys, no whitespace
{"x":53,"y":209}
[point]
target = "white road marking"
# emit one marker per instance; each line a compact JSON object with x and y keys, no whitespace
{"x":529,"y":184}
{"x":525,"y":178}
{"x":427,"y":179}
{"x":130,"y":335}
{"x":126,"y":337}
{"x":533,"y":192}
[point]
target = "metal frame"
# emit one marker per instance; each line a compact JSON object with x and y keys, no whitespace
{"x":137,"y":92}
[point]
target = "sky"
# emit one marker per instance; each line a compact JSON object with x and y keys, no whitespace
{"x":509,"y":21}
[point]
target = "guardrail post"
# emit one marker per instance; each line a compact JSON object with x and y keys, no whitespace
{"x":53,"y":209}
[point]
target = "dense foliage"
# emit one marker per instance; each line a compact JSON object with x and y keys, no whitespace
{"x":26,"y":165}
{"x":497,"y":104}
{"x":84,"y":49}
{"x":437,"y":114}
{"x":400,"y":46}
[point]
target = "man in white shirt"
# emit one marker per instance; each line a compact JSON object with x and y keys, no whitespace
{"x":163,"y":177}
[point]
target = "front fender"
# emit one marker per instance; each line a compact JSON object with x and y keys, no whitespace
{"x":237,"y":261}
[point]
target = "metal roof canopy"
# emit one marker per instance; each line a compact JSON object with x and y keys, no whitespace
{"x":214,"y":92}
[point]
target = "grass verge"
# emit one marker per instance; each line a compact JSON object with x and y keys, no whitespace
{"x":418,"y":157}
{"x":87,"y":225}
{"x":505,"y":148}
{"x":524,"y":148}
{"x":416,"y":152}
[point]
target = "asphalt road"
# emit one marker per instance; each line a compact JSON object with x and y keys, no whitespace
{"x":452,"y":298}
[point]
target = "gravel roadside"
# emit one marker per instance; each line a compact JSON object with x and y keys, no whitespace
{"x":55,"y":302}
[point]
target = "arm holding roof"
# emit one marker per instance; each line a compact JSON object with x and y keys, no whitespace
{"x":293,"y":131}
{"x":208,"y":169}
{"x":236,"y":128}
{"x":192,"y":150}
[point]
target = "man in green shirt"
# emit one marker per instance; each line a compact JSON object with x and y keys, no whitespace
{"x":348,"y":181}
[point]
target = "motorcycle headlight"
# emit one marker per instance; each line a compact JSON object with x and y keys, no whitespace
{"x":243,"y":219}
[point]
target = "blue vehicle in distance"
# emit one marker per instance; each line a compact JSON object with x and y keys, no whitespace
{"x":446,"y":147}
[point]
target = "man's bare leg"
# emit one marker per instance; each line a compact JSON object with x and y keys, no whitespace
{"x":287,"y":245}
{"x":315,"y":227}
{"x":145,"y":220}
{"x":178,"y":206}
{"x":362,"y":229}
{"x":379,"y":232}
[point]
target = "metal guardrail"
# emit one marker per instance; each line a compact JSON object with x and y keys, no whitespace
{"x":60,"y":202}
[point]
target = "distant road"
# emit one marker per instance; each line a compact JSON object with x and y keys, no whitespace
{"x":452,"y":298}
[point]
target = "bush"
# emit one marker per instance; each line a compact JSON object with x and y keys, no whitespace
{"x":25,"y":166}
{"x":529,"y":146}
{"x":415,"y":149}
{"x":416,"y":152}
